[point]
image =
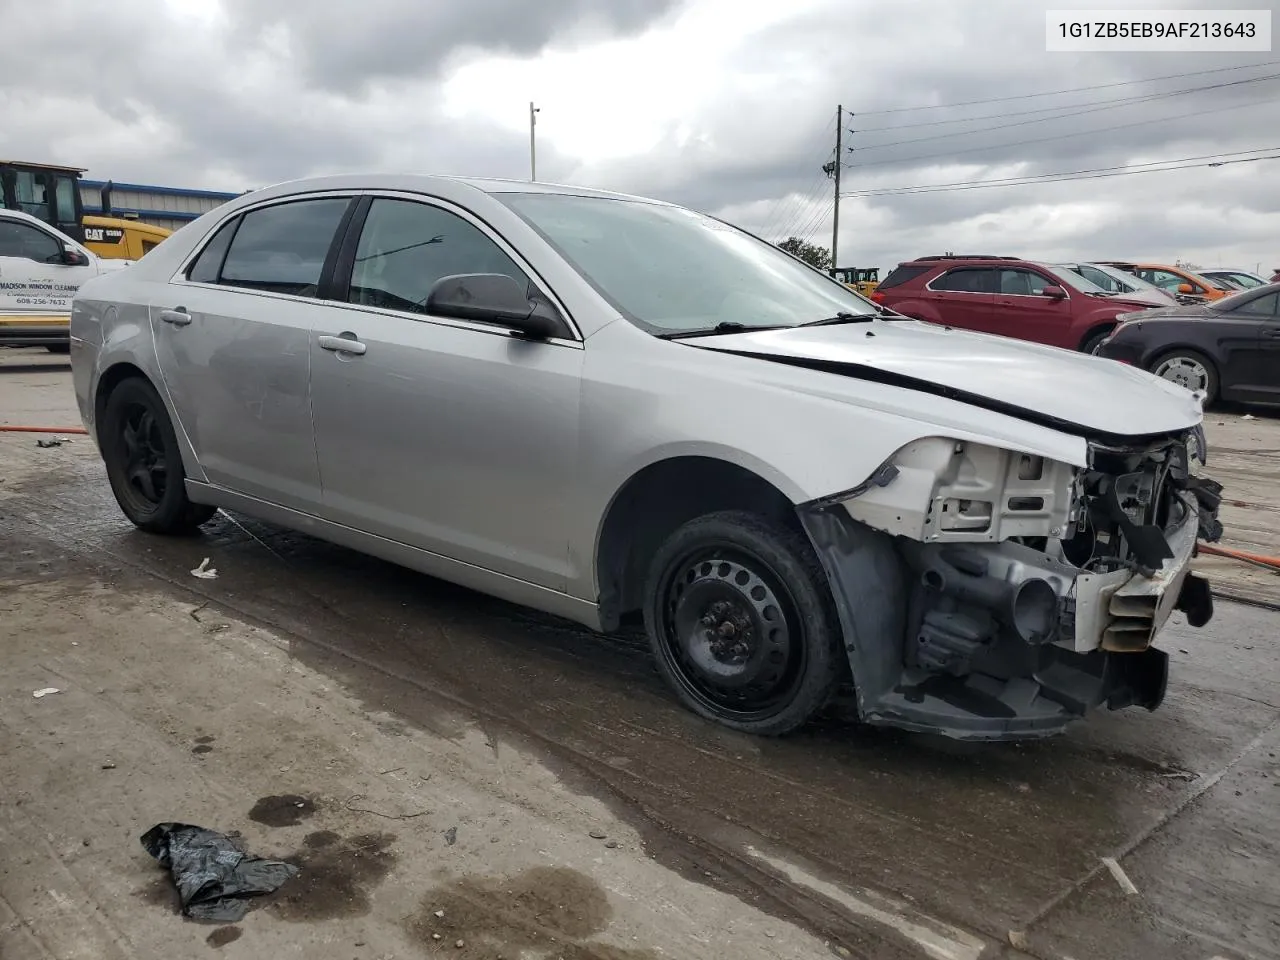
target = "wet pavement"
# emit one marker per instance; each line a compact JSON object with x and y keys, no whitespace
{"x":879,"y":844}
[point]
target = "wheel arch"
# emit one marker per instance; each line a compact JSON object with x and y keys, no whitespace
{"x":658,"y":498}
{"x":1098,"y":329}
{"x":115,"y":373}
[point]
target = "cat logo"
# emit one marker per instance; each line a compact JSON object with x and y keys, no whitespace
{"x":103,"y":235}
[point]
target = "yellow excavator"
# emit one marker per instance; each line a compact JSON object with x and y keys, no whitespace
{"x":52,"y":193}
{"x":864,"y":280}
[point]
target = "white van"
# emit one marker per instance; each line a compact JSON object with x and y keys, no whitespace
{"x":41,"y":269}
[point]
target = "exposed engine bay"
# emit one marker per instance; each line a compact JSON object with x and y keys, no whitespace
{"x":1034,"y":590}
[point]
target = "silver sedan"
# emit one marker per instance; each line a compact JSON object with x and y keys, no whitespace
{"x":602,"y":406}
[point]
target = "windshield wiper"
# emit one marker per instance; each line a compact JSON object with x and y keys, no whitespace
{"x":723,"y":327}
{"x":842,"y":317}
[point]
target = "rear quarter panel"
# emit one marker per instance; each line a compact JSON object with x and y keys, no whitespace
{"x":110,"y":327}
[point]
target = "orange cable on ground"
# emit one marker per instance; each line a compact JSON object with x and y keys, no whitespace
{"x":77,"y":430}
{"x":1255,"y":558}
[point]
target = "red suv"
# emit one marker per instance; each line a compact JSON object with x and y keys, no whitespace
{"x":1007,"y":296}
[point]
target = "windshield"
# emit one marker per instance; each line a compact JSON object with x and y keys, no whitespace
{"x":1130,"y":281}
{"x":1074,"y":281}
{"x":670,"y":270}
{"x":1232,"y":300}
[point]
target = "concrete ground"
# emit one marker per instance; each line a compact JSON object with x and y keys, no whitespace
{"x":459,"y":777}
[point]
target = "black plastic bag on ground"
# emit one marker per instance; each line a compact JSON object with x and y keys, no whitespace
{"x":214,"y":877}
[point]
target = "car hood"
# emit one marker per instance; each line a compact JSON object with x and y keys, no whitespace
{"x":1140,"y":299}
{"x":1182,"y":311}
{"x":1046,"y":385}
{"x":109,"y":265}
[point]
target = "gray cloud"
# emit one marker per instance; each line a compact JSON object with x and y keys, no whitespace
{"x":348,"y":47}
{"x":276,"y":91}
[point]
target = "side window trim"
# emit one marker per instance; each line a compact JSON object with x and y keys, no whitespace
{"x":339,"y":286}
{"x":179,"y":276}
{"x":325,"y":264}
{"x":345,"y":263}
{"x":990,"y":271}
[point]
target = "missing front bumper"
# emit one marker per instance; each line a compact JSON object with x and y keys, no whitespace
{"x":931,"y":657}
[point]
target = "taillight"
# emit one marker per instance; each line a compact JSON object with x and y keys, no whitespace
{"x":877,"y":296}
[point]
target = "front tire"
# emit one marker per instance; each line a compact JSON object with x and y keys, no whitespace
{"x":144,"y":462}
{"x":742,"y":624}
{"x":1093,"y":341}
{"x":1190,"y":370}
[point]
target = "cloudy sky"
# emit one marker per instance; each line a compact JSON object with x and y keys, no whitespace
{"x":725,"y":105}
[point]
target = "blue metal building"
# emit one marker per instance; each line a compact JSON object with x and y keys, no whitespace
{"x":168,"y":207}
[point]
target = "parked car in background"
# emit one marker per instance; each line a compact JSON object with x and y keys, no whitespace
{"x":1115,"y":281}
{"x":40,"y":270}
{"x":1240,"y":279}
{"x":1226,"y":350}
{"x":1007,"y":296}
{"x":1174,"y":279}
{"x":602,"y":406}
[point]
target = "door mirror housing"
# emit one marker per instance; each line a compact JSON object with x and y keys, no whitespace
{"x":493,"y":298}
{"x":1185,"y":288}
{"x":1055,"y":292}
{"x":73,"y":257}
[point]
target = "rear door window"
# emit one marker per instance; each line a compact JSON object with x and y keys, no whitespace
{"x":900,"y":275}
{"x":282,"y":248}
{"x":966,"y":280}
{"x":1259,"y":307}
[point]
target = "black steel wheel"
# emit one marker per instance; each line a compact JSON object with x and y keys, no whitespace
{"x":741,"y":623}
{"x":144,"y":464}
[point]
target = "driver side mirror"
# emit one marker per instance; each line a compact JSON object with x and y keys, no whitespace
{"x":73,"y":257}
{"x":1055,"y":292}
{"x":494,"y":298}
{"x":1185,"y":288}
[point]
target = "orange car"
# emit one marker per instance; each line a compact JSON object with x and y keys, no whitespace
{"x":1174,"y":280}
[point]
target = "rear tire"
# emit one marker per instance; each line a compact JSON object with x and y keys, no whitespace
{"x":742,"y":624}
{"x":144,"y":462}
{"x":1189,"y":369}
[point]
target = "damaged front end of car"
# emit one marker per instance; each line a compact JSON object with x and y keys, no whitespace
{"x":990,"y":594}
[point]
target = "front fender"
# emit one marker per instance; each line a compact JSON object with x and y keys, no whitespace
{"x":812,"y":435}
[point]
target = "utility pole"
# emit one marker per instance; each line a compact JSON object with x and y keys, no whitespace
{"x":839,"y":162}
{"x":533,"y":146}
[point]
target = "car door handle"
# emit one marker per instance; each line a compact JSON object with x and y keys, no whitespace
{"x":343,"y":343}
{"x":1272,"y":332}
{"x":178,"y":316}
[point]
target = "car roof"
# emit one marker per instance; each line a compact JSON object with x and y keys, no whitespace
{"x":23,"y":216}
{"x":977,"y":259}
{"x":414,"y":182}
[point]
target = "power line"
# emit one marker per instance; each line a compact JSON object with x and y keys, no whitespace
{"x":1003,"y":115}
{"x":1057,"y":93}
{"x":1059,"y":136}
{"x":811,"y":226}
{"x":1097,"y":173}
{"x":803,"y":212}
{"x":781,"y":204}
{"x":1035,"y":176}
{"x":1095,"y":108}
